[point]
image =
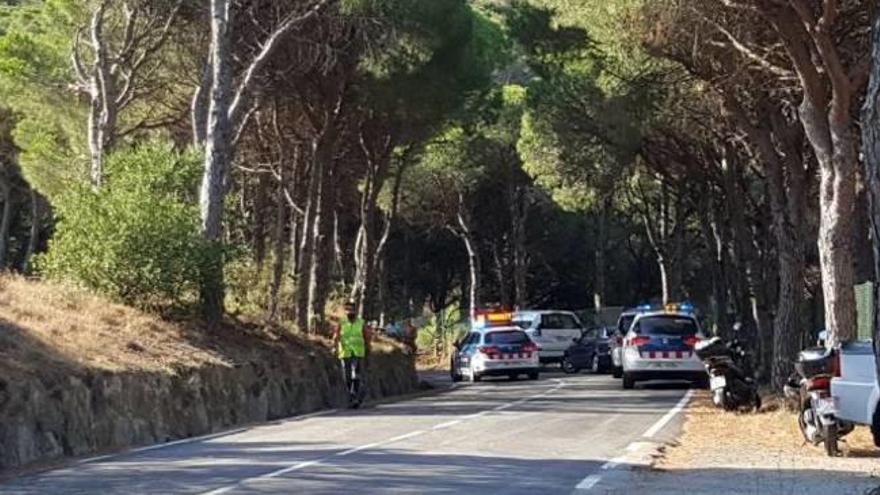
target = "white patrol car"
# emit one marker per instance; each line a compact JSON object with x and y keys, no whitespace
{"x":494,"y":348}
{"x":552,"y":330}
{"x":660,"y":346}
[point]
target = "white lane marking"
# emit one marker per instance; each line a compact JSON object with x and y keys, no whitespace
{"x":158,"y":446}
{"x":635,"y":447}
{"x":200,"y":438}
{"x":656,"y":427}
{"x":405,"y":436}
{"x":589,"y":482}
{"x":446,"y":424}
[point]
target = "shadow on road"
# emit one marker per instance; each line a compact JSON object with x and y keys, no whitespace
{"x":403,"y":471}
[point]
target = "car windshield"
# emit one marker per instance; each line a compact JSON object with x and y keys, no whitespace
{"x":625,"y":322}
{"x":523,"y":322}
{"x":506,"y":337}
{"x":559,"y":321}
{"x":666,"y":325}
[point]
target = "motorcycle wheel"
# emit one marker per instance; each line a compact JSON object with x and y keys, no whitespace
{"x":830,"y":435}
{"x":728,"y":402}
{"x":802,"y":421}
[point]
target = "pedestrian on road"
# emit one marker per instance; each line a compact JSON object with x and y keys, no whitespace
{"x":352,"y":341}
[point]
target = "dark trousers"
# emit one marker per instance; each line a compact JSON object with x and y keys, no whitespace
{"x":352,"y":370}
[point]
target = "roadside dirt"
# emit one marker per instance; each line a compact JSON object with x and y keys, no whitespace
{"x":725,"y":452}
{"x":713,"y":436}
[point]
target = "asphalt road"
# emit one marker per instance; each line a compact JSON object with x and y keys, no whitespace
{"x":557,"y":435}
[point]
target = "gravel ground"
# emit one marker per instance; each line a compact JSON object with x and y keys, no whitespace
{"x":743,"y":453}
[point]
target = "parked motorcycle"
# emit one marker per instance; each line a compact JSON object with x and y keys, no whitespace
{"x":730,"y":375}
{"x":810,"y":388}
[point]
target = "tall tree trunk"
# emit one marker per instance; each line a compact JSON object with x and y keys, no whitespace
{"x":787,"y":207}
{"x":217,"y":156}
{"x":199,"y":106}
{"x":376,"y":151}
{"x":261,"y":205}
{"x":473,"y":261}
{"x":500,"y":275}
{"x":36,"y":227}
{"x":601,"y":245}
{"x":825,"y":113}
{"x":837,"y":198}
{"x":5,"y":223}
{"x":717,"y":247}
{"x":279,"y":241}
{"x":871,"y":152}
{"x":322,"y":260}
{"x":519,"y":216}
{"x":307,"y":240}
{"x":102,"y":92}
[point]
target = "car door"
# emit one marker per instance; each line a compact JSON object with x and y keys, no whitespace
{"x":458,"y":355}
{"x":581,"y":351}
{"x":557,"y":331}
{"x":467,"y":349}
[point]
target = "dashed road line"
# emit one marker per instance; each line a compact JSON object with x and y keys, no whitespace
{"x":637,"y":453}
{"x":405,"y":436}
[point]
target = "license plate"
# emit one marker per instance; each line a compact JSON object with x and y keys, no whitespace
{"x":717,"y":382}
{"x":826,"y":406}
{"x":661,"y":364}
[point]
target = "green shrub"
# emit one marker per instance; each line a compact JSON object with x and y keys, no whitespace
{"x":438,"y":339}
{"x":137,"y":238}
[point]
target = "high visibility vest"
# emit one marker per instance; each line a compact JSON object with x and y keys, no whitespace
{"x":351,"y":340}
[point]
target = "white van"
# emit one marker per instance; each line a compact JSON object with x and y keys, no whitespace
{"x":552,"y":330}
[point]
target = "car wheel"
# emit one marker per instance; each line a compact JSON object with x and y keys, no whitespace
{"x":628,"y":382}
{"x":456,"y":376}
{"x":875,"y":427}
{"x":617,"y":372}
{"x":567,"y":366}
{"x":473,"y":376}
{"x":595,"y":367}
{"x":533,"y":375}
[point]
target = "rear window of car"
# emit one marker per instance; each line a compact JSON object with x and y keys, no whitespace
{"x":506,"y":337}
{"x":666,"y":325}
{"x":559,"y":321}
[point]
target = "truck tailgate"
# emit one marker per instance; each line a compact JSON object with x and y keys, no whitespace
{"x":856,"y":388}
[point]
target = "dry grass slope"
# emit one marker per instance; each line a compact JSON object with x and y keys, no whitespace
{"x":47,"y":328}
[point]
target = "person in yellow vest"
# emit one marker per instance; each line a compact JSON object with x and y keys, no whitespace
{"x":352,"y":341}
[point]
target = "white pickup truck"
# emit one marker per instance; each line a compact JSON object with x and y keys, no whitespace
{"x":856,"y":389}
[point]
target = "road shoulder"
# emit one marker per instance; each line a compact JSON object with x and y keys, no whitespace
{"x":730,"y":453}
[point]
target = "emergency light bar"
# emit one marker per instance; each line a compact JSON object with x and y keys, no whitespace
{"x":684,"y":307}
{"x":483,"y":319}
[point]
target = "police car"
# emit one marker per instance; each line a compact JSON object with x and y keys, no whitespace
{"x":494,"y":347}
{"x":552,"y":330}
{"x":660,"y":346}
{"x":616,"y":341}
